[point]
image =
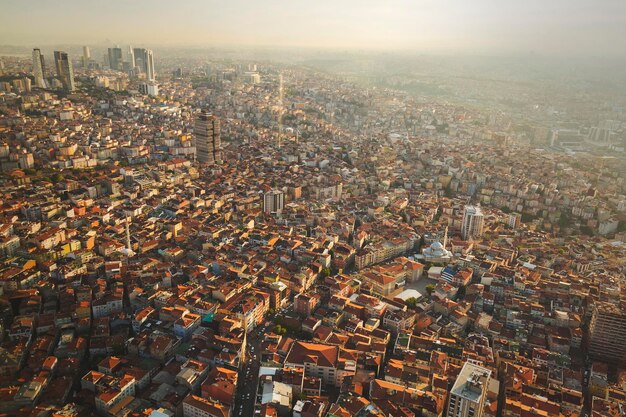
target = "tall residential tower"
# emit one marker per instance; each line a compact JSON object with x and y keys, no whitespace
{"x":273,"y":201}
{"x":469,"y":393}
{"x":473,"y":220}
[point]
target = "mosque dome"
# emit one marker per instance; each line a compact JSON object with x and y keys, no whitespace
{"x":436,"y":248}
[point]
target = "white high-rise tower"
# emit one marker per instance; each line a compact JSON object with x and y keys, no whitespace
{"x":273,"y":201}
{"x":473,"y":220}
{"x":150,"y":74}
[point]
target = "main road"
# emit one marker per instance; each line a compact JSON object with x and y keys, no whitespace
{"x":245,"y":396}
{"x":247,"y":386}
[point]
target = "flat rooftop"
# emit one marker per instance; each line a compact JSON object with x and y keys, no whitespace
{"x":471,"y":382}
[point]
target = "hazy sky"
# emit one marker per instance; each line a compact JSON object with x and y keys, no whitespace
{"x":595,"y":27}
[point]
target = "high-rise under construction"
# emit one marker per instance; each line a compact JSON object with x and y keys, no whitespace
{"x":207,"y":137}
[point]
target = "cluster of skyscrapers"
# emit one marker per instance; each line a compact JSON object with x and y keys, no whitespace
{"x":135,"y":61}
{"x":63,"y":66}
{"x":65,"y":71}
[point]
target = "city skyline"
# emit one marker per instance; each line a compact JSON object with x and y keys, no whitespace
{"x":576,"y":28}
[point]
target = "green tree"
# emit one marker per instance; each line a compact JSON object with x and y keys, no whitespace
{"x":57,"y":177}
{"x":280,"y":330}
{"x":430,"y":288}
{"x":411,"y":302}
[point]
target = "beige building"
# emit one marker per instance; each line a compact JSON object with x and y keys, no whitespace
{"x":194,"y":406}
{"x":321,"y":361}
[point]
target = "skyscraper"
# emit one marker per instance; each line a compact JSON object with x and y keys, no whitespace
{"x":468,"y":395}
{"x":606,"y":332}
{"x":115,"y":58}
{"x":473,"y":220}
{"x":207,"y":137}
{"x":39,"y":69}
{"x":65,"y":71}
{"x":144,"y":60}
{"x":140,"y":56}
{"x":129,"y":60}
{"x":86,"y":56}
{"x":150,"y":75}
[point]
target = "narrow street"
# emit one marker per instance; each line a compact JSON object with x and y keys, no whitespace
{"x":248,"y":380}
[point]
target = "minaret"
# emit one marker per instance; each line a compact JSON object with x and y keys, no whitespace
{"x":128,"y":235}
{"x":280,"y":103}
{"x":445,"y":238}
{"x":128,"y":250}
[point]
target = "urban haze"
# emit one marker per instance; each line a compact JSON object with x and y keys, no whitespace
{"x":313,"y":209}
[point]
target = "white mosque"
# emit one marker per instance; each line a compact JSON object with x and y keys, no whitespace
{"x":437,"y":252}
